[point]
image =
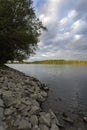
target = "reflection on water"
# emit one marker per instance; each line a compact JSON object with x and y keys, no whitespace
{"x":67,"y":83}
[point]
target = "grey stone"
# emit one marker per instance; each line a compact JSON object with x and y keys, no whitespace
{"x":24,"y":124}
{"x":32,"y":83}
{"x":11,"y":85}
{"x":34,"y":120}
{"x":1,"y":79}
{"x":5,"y":126}
{"x":34,"y":96}
{"x":34,"y":110}
{"x":26,"y":111}
{"x":45,"y":119}
{"x":2,"y":128}
{"x":46,"y":88}
{"x":1,"y":113}
{"x":54,"y":118}
{"x":40,"y":98}
{"x":8,"y":98}
{"x":18,"y":103}
{"x":0,"y":92}
{"x":43,"y":127}
{"x":35,"y":127}
{"x":35,"y":103}
{"x":43,"y":93}
{"x":54,"y":127}
{"x":5,"y":83}
{"x":17,"y":121}
{"x":26,"y":102}
{"x":69,"y":120}
{"x":9,"y":111}
{"x":21,"y":107}
{"x":1,"y":103}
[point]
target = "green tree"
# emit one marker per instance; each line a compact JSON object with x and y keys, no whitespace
{"x":19,"y":30}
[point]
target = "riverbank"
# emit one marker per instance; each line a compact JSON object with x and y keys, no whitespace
{"x":21,"y":97}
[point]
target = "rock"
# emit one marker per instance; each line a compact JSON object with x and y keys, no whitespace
{"x":21,"y":96}
{"x":1,"y":113}
{"x":8,"y":98}
{"x":11,"y":86}
{"x":5,"y":126}
{"x":26,"y":111}
{"x":43,"y":127}
{"x":27,"y":81}
{"x":32,"y":83}
{"x":45,"y":119}
{"x":17,"y":121}
{"x":34,"y":120}
{"x":43,"y":93}
{"x":18,"y":103}
{"x":9,"y":111}
{"x":35,"y":127}
{"x":54,"y":118}
{"x":0,"y":92}
{"x":37,"y":89}
{"x":21,"y":107}
{"x":34,"y":110}
{"x":54,"y":127}
{"x":46,"y":88}
{"x":1,"y":103}
{"x":26,"y":102}
{"x":5,"y":83}
{"x":34,"y":96}
{"x":67,"y":119}
{"x":2,"y":128}
{"x":40,"y":98}
{"x":85,"y":119}
{"x":1,"y":79}
{"x":24,"y":124}
{"x":35,"y":103}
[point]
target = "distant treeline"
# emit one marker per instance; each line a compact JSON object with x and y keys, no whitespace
{"x":54,"y":62}
{"x":60,"y":62}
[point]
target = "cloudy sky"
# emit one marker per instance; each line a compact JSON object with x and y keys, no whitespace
{"x":66,"y":21}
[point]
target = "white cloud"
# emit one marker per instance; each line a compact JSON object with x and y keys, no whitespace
{"x":76,"y":25}
{"x":67,"y":30}
{"x":72,"y":14}
{"x":64,"y":22}
{"x":80,"y":26}
{"x":77,"y":37}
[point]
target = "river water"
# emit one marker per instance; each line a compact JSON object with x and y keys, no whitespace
{"x":67,"y":83}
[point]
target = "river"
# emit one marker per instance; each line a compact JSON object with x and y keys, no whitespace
{"x":67,"y":83}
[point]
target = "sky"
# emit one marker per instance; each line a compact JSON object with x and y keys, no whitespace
{"x":66,"y":35}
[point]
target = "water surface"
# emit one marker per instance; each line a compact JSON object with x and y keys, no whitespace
{"x":67,"y":83}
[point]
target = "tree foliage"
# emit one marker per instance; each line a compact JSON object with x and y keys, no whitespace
{"x":19,"y":29}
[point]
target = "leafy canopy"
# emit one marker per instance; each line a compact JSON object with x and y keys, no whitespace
{"x":19,"y":30}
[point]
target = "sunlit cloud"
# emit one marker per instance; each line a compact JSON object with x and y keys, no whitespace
{"x":66,"y":21}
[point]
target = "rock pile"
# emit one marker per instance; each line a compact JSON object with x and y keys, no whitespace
{"x":20,"y":100}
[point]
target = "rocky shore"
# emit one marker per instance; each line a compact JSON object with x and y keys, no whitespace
{"x":20,"y":103}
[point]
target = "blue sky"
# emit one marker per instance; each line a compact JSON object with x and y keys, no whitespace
{"x":66,"y":21}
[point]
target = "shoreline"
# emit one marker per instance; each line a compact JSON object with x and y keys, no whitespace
{"x":21,"y":102}
{"x":21,"y":97}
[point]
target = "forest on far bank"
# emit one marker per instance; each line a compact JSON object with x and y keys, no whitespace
{"x":54,"y":62}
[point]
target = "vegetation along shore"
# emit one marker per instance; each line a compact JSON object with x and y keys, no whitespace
{"x":52,"y":62}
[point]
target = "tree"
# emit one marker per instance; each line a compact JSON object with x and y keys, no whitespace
{"x":19,"y":30}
